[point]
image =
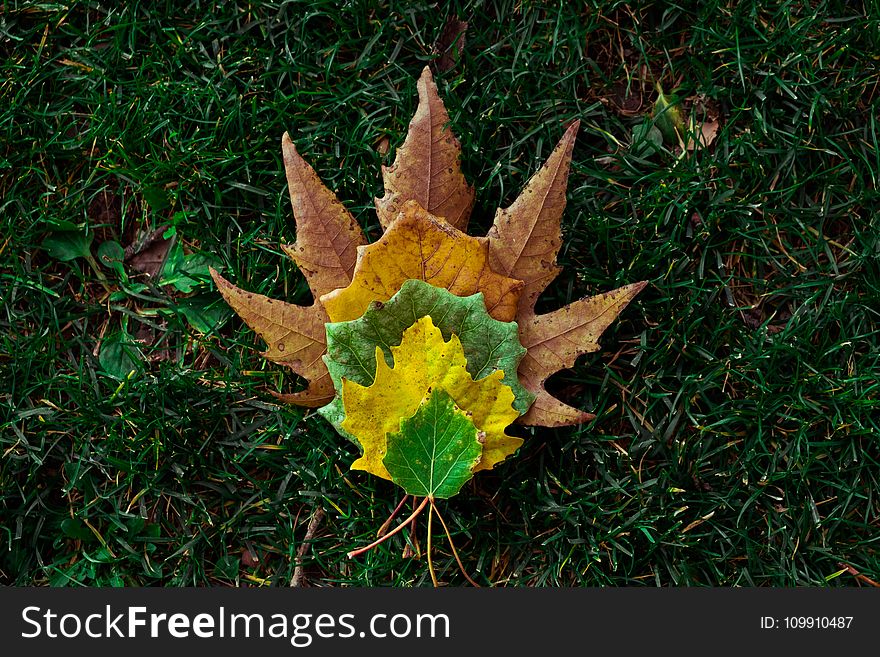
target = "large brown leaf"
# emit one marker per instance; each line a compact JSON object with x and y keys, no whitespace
{"x":525,"y":237}
{"x":327,"y":236}
{"x":426,"y":168}
{"x":418,"y":245}
{"x":524,"y":241}
{"x":294,"y":336}
{"x":554,"y":341}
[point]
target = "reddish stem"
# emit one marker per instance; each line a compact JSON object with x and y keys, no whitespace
{"x":387,"y":523}
{"x":399,"y":527}
{"x":452,"y":545}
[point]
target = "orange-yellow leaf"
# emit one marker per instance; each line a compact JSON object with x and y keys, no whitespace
{"x":426,"y":168}
{"x":525,"y":237}
{"x":424,"y":362}
{"x":327,"y":236}
{"x":554,"y":341}
{"x":295,"y":336}
{"x":421,"y":246}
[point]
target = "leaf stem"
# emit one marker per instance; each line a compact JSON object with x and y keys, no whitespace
{"x":387,"y":523}
{"x":412,"y":517}
{"x":97,"y":269}
{"x":451,"y":544}
{"x":430,"y":561}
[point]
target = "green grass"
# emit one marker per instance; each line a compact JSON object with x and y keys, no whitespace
{"x":738,"y":398}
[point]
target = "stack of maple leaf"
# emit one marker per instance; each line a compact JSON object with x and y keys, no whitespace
{"x":423,"y":347}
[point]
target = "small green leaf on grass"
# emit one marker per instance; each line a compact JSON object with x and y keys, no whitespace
{"x":68,"y":245}
{"x":74,"y":528}
{"x":227,"y":566}
{"x":646,"y":139}
{"x":120,"y":356}
{"x":204,"y":311}
{"x":436,"y":450}
{"x":667,"y":117}
{"x":186,"y":271}
{"x":156,"y":197}
{"x":111,"y":255}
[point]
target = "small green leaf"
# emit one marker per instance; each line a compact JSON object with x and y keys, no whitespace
{"x":135,"y":525}
{"x":436,"y":450}
{"x":186,"y":271}
{"x":120,"y":355}
{"x":111,"y":255}
{"x":204,"y":311}
{"x":667,"y":117}
{"x":156,"y":197}
{"x":646,"y":139}
{"x":227,"y":566}
{"x":68,"y":245}
{"x":74,"y":528}
{"x":61,"y":225}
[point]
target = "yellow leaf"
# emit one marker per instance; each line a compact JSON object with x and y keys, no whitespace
{"x":424,"y":362}
{"x":427,"y":168}
{"x":421,"y":246}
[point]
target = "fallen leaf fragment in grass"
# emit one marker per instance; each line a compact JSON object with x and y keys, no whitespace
{"x":702,"y":136}
{"x":667,"y":117}
{"x":450,"y":44}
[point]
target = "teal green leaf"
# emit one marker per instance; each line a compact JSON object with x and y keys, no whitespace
{"x":436,"y":450}
{"x":488,"y":344}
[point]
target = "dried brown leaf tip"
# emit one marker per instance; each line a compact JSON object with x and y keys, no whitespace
{"x":424,"y":214}
{"x":327,"y":236}
{"x":450,"y":44}
{"x":427,"y":168}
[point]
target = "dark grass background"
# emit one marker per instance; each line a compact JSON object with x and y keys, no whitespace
{"x":738,"y":398}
